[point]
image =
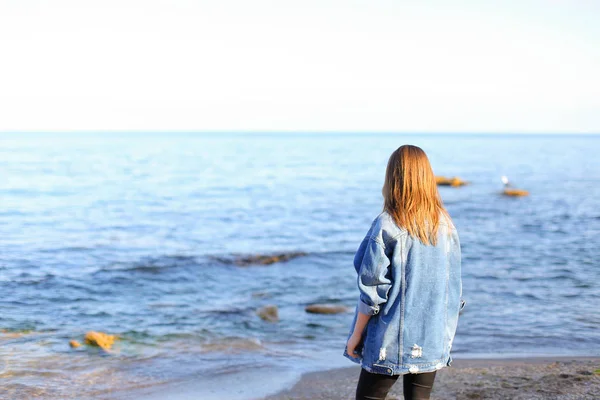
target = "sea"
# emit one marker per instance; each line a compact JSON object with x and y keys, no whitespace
{"x":137,"y":235}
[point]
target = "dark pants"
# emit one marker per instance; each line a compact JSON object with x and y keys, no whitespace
{"x":372,"y":386}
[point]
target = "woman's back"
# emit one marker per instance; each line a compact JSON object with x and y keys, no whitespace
{"x":409,"y":279}
{"x":432,"y":298}
{"x":413,"y":291}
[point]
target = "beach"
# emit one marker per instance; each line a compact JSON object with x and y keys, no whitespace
{"x":180,"y":262}
{"x":515,"y":378}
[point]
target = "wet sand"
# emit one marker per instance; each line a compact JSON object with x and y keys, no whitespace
{"x":526,"y":378}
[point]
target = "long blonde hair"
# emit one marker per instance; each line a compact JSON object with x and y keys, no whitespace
{"x":411,"y":195}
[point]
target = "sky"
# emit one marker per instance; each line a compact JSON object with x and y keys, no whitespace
{"x":311,"y":65}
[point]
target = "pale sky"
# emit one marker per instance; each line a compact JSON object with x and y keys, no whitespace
{"x":309,"y":65}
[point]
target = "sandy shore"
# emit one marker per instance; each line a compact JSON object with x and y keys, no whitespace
{"x":527,"y":378}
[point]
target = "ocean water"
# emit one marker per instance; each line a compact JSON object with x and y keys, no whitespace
{"x":126,"y":234}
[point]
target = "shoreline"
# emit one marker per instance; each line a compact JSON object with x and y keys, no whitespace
{"x":538,"y":377}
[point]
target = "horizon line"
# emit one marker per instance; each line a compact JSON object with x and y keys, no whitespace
{"x":303,"y":132}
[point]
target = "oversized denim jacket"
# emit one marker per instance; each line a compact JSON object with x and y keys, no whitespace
{"x":413,"y":293}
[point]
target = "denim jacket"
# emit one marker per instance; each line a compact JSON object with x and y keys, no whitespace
{"x":413,"y":293}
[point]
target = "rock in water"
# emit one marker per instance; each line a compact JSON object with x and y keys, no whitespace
{"x":269,"y":313}
{"x":325,"y":308}
{"x":74,"y":344}
{"x":454,"y":181}
{"x":100,"y":339}
{"x":259,"y":259}
{"x":515,"y":192}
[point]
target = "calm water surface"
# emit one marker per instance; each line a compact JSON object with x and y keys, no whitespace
{"x":121,"y":233}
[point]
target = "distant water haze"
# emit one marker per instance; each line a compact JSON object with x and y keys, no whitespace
{"x":130,"y":234}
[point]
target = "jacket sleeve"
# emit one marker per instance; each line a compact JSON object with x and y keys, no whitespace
{"x":372,"y":264}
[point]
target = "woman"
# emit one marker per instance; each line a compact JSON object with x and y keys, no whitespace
{"x":409,"y":278}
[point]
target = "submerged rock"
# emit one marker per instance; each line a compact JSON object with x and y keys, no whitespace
{"x":325,"y":308}
{"x":510,"y":190}
{"x":13,"y":334}
{"x":515,"y":192}
{"x":269,"y":313}
{"x":100,"y":339}
{"x":454,"y":181}
{"x":232,"y":345}
{"x":260,"y":259}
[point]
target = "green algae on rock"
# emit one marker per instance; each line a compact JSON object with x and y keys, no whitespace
{"x":259,"y":259}
{"x":268,"y":313}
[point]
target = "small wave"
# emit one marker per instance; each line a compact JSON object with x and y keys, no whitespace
{"x":67,"y":249}
{"x":164,"y":305}
{"x":231,"y":311}
{"x":25,"y":278}
{"x":153,"y":265}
